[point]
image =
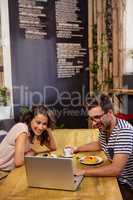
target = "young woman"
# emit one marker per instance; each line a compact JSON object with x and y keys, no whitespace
{"x":37,"y":124}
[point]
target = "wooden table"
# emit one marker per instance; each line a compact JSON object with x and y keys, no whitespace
{"x":14,"y":187}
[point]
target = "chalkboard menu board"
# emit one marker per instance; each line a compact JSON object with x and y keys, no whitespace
{"x":70,"y":30}
{"x":71,"y":34}
{"x":40,"y":73}
{"x":33,"y":18}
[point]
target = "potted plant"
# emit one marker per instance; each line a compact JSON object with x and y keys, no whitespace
{"x":5,"y":109}
{"x":130,"y":53}
{"x":23,"y":110}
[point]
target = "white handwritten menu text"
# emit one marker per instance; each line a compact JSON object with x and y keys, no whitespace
{"x":71,"y":32}
{"x":33,"y":18}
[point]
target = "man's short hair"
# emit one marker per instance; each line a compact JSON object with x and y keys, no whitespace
{"x":102,"y":100}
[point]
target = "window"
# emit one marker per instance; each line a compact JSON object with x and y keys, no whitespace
{"x":5,"y":51}
{"x":1,"y":58}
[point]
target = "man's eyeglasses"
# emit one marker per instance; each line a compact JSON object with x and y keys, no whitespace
{"x":96,"y":117}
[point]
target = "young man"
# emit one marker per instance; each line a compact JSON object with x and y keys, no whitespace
{"x":115,"y":139}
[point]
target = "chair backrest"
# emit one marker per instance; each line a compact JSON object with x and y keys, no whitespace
{"x":6,"y":124}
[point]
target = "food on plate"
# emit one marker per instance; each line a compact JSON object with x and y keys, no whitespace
{"x":90,"y":159}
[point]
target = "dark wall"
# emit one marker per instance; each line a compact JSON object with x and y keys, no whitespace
{"x":34,"y":72}
{"x":128,"y":83}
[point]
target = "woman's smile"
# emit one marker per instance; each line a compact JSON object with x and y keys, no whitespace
{"x":39,"y":124}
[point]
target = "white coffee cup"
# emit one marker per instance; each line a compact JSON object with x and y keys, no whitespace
{"x":68,"y":152}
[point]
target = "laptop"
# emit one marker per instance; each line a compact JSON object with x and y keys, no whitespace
{"x":52,"y":173}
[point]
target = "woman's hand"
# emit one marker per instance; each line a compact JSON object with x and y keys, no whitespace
{"x":51,"y":144}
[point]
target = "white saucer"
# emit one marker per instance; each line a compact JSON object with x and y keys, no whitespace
{"x":68,"y":156}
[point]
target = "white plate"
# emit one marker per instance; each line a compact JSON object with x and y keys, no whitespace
{"x":98,"y":160}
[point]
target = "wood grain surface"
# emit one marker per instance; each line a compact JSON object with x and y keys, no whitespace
{"x":15,"y":187}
